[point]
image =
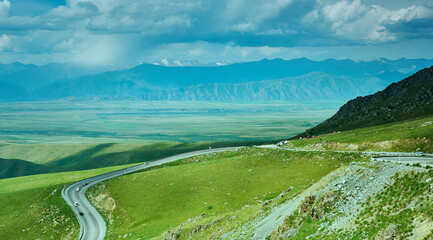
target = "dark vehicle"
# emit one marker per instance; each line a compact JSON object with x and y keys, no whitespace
{"x":81,"y":214}
{"x":86,"y":184}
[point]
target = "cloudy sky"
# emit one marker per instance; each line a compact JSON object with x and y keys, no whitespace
{"x":127,"y":32}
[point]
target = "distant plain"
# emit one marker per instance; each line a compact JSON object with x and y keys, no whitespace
{"x":150,"y":122}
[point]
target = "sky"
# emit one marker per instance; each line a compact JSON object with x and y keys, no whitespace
{"x":194,"y":32}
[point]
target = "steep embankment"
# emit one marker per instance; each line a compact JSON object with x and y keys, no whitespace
{"x":408,"y":99}
{"x":365,"y":201}
{"x":406,"y":136}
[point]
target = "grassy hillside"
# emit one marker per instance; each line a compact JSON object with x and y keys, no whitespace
{"x":401,"y":209}
{"x":71,"y":157}
{"x":15,"y":168}
{"x":214,"y":192}
{"x":31,"y":207}
{"x":408,"y":99}
{"x":406,"y":136}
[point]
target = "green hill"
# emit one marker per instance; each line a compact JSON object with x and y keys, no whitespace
{"x":43,"y":158}
{"x":404,"y":136}
{"x":15,"y":167}
{"x":409,"y":98}
{"x":214,"y":192}
{"x":31,"y":207}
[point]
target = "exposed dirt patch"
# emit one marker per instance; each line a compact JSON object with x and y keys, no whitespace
{"x":104,"y":201}
{"x":422,"y":230}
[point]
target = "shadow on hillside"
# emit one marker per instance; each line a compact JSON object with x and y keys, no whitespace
{"x":79,"y":161}
{"x":86,"y":159}
{"x":16,"y":167}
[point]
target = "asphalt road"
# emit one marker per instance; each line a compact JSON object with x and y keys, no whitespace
{"x":92,"y":225}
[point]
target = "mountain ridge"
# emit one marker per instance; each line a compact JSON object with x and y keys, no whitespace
{"x":61,"y":81}
{"x":409,"y":98}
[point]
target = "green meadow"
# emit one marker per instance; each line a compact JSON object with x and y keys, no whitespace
{"x":150,"y":122}
{"x":31,"y":207}
{"x":45,"y":137}
{"x":212,"y":189}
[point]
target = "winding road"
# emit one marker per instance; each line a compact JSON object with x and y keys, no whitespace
{"x":92,"y":225}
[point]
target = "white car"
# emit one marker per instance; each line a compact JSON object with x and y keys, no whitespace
{"x":76,"y":204}
{"x":77,"y":189}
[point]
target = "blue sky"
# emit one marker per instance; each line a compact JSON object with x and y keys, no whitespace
{"x":129,"y":32}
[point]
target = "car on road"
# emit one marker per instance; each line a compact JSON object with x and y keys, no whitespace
{"x":77,"y":189}
{"x":81,"y":213}
{"x":76,"y":204}
{"x":419,"y":153}
{"x":86,"y":184}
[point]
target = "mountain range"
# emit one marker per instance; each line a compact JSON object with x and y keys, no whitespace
{"x":295,"y":80}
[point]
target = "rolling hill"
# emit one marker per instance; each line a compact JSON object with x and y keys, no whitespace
{"x":409,"y":98}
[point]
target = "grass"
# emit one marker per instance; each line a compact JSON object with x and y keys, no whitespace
{"x":219,"y":185}
{"x":407,"y":136}
{"x":405,"y":202}
{"x":31,"y":207}
{"x":150,"y":122}
{"x":32,"y":159}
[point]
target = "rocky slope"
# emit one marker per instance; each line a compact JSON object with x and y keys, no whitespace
{"x":364,"y":201}
{"x":407,"y":99}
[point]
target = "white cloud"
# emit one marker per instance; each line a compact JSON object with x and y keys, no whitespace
{"x":5,"y":42}
{"x":244,"y":27}
{"x":5,"y":5}
{"x":355,"y":21}
{"x":197,"y":52}
{"x":67,"y":45}
{"x":343,"y":11}
{"x":269,"y":51}
{"x":165,"y":62}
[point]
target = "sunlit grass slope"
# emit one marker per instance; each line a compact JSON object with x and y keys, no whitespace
{"x":20,"y":159}
{"x":407,"y":136}
{"x":219,"y":185}
{"x":31,"y":207}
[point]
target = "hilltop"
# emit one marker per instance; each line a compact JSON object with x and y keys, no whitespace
{"x":409,"y":98}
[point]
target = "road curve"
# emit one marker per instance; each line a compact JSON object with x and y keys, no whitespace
{"x":92,"y":225}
